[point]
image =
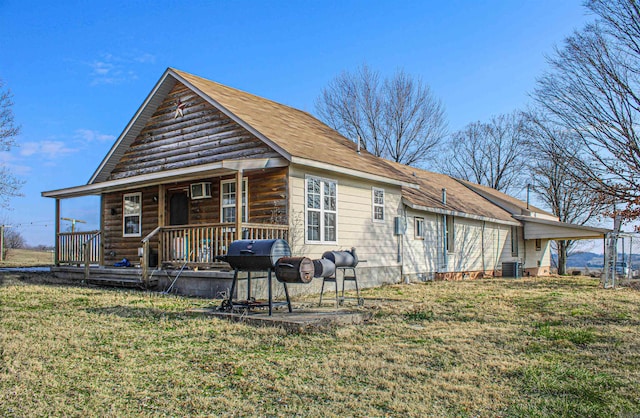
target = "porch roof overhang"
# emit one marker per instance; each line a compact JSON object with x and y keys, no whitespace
{"x":459,"y":214}
{"x":183,"y":174}
{"x":538,"y":228}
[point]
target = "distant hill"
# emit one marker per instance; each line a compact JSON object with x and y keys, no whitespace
{"x":594,"y":260}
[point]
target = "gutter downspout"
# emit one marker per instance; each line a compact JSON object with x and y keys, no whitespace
{"x":445,"y":243}
{"x":484,"y":265}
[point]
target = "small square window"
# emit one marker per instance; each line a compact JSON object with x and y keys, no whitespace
{"x":538,"y":244}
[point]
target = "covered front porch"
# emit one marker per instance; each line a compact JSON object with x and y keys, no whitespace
{"x":175,"y":220}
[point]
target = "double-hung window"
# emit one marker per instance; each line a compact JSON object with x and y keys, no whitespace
{"x":378,"y":204}
{"x":228,"y":202}
{"x":514,"y":241}
{"x":131,"y":214}
{"x":321,"y":220}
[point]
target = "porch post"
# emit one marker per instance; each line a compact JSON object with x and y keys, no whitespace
{"x":162,"y":195}
{"x":56,"y":260}
{"x":102,"y":214}
{"x":239,"y":195}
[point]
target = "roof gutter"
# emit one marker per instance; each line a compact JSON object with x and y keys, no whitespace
{"x":351,"y":172}
{"x":459,"y":214}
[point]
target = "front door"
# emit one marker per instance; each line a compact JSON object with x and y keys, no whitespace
{"x":178,"y":208}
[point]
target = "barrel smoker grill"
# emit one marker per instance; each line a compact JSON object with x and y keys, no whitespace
{"x":253,"y":256}
{"x":344,"y":261}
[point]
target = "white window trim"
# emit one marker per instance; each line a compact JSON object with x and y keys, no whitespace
{"x":416,"y":220}
{"x":451,"y":234}
{"x":125,"y":215}
{"x":245,"y":192}
{"x":374,"y":205}
{"x":321,"y":210}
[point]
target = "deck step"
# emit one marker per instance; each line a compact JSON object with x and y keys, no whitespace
{"x":133,"y":282}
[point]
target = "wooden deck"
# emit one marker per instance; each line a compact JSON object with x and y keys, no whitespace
{"x":200,"y":283}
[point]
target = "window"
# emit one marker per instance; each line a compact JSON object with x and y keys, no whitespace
{"x":378,"y":204}
{"x":200,"y":190}
{"x":418,"y":230}
{"x":131,"y":214}
{"x":450,"y":233}
{"x":228,"y":203}
{"x":538,"y":244}
{"x":514,"y":241}
{"x":321,"y":219}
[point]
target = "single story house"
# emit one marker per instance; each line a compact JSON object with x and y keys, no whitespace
{"x":169,"y":198}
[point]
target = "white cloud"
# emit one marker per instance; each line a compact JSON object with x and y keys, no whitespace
{"x":12,"y":164}
{"x":112,"y":69}
{"x":45,"y":149}
{"x":89,"y":135}
{"x":145,"y":58}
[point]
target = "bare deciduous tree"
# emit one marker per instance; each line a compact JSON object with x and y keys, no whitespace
{"x":552,"y":178}
{"x":488,"y":153}
{"x":13,"y":239}
{"x":593,"y":90}
{"x":9,"y":185}
{"x":398,"y":118}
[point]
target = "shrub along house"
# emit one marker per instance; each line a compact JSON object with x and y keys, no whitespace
{"x":201,"y":164}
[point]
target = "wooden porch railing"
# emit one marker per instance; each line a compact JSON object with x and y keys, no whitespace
{"x":201,"y":244}
{"x":91,"y":252}
{"x":72,"y":248}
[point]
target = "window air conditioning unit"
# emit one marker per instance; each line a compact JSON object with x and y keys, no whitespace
{"x":200,"y":190}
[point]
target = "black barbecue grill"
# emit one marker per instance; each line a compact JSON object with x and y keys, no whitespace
{"x":251,"y":256}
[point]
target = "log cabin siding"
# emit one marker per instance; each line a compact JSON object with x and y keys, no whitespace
{"x":117,"y":247}
{"x":267,"y":197}
{"x":267,"y":204}
{"x":201,"y":135}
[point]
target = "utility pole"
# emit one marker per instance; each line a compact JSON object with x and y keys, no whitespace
{"x":73,"y":223}
{"x":2,"y":227}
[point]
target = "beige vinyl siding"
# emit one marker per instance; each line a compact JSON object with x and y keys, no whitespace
{"x":426,"y":256}
{"x":375,"y":242}
{"x":422,"y":256}
{"x":532,"y":256}
{"x":507,"y":254}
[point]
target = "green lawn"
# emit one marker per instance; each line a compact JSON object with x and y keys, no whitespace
{"x":529,"y":347}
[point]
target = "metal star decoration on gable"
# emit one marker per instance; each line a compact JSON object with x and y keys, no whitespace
{"x":180,"y":109}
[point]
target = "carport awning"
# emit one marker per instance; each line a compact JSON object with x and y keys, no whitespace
{"x":537,"y":228}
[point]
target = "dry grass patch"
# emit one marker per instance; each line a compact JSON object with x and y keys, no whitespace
{"x":26,"y":258}
{"x":490,"y":347}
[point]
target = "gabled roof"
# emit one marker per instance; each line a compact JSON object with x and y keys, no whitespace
{"x":300,"y":138}
{"x":460,"y":200}
{"x":296,"y":135}
{"x":508,"y":203}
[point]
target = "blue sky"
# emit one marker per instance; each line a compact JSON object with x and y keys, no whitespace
{"x":80,"y":70}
